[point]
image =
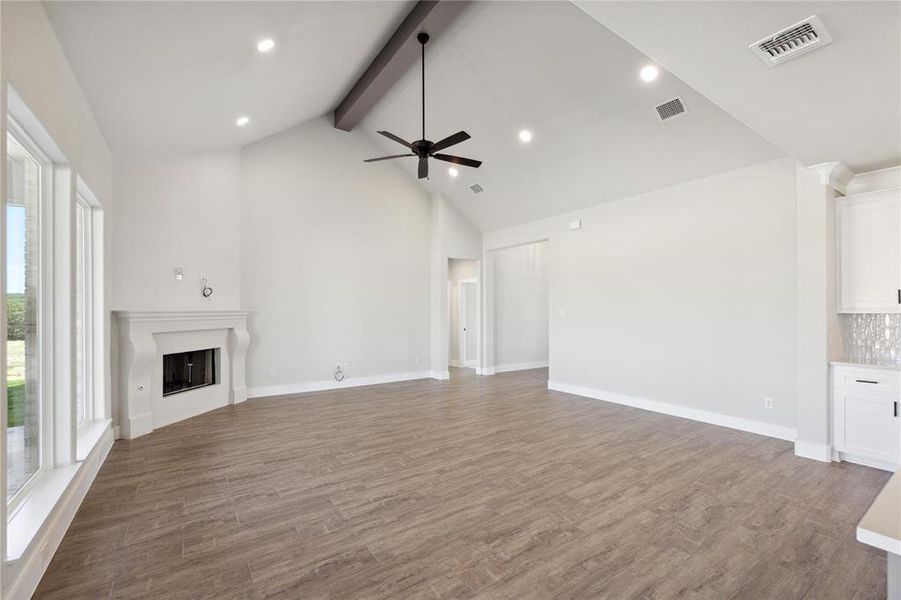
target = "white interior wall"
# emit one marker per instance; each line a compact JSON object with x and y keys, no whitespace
{"x":177,"y":212}
{"x":685,"y":295}
{"x":34,"y":64}
{"x":334,"y":261}
{"x":521,"y":307}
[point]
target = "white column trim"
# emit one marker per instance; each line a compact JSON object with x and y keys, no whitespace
{"x":833,"y":174}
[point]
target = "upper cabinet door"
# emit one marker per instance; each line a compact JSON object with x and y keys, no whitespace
{"x":868,"y":228}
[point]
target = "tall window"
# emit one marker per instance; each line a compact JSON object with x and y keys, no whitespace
{"x":83,"y":311}
{"x":25,"y":189}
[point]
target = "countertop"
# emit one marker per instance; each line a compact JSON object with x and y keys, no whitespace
{"x":881,"y":525}
{"x":865,"y":365}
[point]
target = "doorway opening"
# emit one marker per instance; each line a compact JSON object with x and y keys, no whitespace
{"x":519,"y":309}
{"x":464,"y":318}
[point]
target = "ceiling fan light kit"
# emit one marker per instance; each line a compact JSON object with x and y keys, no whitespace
{"x":423,"y":148}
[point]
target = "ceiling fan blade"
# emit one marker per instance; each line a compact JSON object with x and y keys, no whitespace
{"x":460,"y":136}
{"x":423,"y":167}
{"x":387,"y":157}
{"x":391,"y":136}
{"x":458,"y":160}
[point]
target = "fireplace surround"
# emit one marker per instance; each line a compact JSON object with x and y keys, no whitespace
{"x":173,"y":365}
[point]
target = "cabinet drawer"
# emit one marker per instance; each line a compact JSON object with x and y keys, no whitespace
{"x":877,"y":381}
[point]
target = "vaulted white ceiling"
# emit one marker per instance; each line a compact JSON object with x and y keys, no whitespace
{"x":550,"y":68}
{"x":171,"y":77}
{"x":838,"y":103}
{"x":174,"y":76}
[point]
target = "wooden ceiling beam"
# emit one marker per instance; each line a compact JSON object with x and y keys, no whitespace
{"x":400,"y":53}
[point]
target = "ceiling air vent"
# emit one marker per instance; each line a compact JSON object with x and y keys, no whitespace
{"x":670,"y":108}
{"x":791,"y":42}
{"x":476,"y":188}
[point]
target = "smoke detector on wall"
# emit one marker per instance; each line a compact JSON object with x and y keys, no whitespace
{"x":791,"y":42}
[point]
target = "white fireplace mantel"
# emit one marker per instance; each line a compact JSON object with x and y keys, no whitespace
{"x":145,"y":336}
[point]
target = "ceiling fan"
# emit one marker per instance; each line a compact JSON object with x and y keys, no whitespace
{"x":423,"y":148}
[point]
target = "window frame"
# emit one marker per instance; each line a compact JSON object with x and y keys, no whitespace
{"x":44,"y":312}
{"x":85,"y":247}
{"x":93,"y":307}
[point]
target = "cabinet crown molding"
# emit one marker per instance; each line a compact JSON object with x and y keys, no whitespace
{"x":874,"y":181}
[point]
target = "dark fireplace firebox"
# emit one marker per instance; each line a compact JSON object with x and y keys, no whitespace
{"x":185,"y":371}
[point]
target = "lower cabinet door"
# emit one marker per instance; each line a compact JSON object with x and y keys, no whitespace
{"x":866,"y":425}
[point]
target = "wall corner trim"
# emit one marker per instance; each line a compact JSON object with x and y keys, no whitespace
{"x":759,"y":427}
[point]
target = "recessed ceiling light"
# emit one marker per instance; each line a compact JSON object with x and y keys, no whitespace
{"x":266,"y":45}
{"x":649,"y":73}
{"x":525,"y":136}
{"x":453,"y":172}
{"x":242,"y":121}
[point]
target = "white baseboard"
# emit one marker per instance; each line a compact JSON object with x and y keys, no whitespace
{"x":440,"y":375}
{"x":22,"y":575}
{"x":867,"y":462}
{"x":484,"y":370}
{"x":454,"y":363}
{"x":776,"y":431}
{"x":137,"y":425}
{"x":318,"y":386}
{"x":814,"y":451}
{"x":538,"y":364}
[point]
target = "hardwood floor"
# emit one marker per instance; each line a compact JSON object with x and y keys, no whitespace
{"x":481,"y":487}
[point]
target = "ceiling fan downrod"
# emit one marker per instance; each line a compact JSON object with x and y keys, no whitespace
{"x":423,"y":148}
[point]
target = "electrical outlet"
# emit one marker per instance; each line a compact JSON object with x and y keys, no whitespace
{"x":270,"y":372}
{"x":418,"y":360}
{"x":767,"y":402}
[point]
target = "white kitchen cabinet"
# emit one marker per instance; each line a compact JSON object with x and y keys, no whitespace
{"x":868,"y":252}
{"x":866,"y":422}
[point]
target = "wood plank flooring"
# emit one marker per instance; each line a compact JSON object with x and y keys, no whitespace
{"x":481,"y":487}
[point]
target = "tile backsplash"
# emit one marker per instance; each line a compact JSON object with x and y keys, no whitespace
{"x":872,"y":338}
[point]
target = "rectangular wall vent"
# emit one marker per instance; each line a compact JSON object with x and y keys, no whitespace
{"x":476,"y":188}
{"x":791,"y":42}
{"x":670,"y":108}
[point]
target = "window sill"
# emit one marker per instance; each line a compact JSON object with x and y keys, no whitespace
{"x":88,"y":436}
{"x":49,"y":488}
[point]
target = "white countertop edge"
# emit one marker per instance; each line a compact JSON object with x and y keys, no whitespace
{"x":877,"y":540}
{"x":854,"y":365}
{"x":880,"y":526}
